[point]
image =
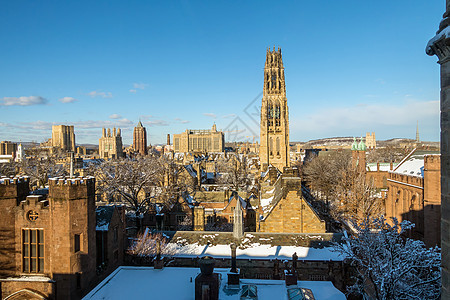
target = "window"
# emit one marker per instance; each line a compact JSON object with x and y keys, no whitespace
{"x":33,"y":250}
{"x":77,"y":243}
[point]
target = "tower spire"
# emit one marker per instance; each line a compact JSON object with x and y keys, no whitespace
{"x":417,"y":132}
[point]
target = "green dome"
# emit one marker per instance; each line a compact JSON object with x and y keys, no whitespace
{"x":362,"y":146}
{"x":355,"y":144}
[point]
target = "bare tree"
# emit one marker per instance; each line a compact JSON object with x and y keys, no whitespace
{"x":41,"y":169}
{"x":146,"y":246}
{"x":8,"y":169}
{"x":389,"y":266}
{"x":234,"y":171}
{"x":136,"y":181}
{"x":387,"y":154}
{"x":345,"y":190}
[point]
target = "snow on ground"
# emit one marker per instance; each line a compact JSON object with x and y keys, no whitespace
{"x":256,"y":251}
{"x":179,"y":283}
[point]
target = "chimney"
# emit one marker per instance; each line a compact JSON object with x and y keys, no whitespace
{"x":378,"y":167}
{"x":168,"y":139}
{"x":233,"y":275}
{"x":207,"y":283}
{"x":158,"y":263}
{"x":391,"y":166}
{"x":291,"y":273}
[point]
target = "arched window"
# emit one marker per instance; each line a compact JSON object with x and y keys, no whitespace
{"x":278,"y":145}
{"x":270,"y":114}
{"x":277,"y":114}
{"x":270,"y":146}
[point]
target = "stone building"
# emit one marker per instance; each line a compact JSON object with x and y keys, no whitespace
{"x":287,"y":210}
{"x":8,"y":148}
{"x":440,"y":46}
{"x":63,"y":136}
{"x":199,"y":141}
{"x":371,"y":142}
{"x":110,"y":146}
{"x":48,"y":242}
{"x":274,"y":132}
{"x":140,"y":139}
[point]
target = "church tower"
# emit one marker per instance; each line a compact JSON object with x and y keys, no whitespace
{"x":274,"y":135}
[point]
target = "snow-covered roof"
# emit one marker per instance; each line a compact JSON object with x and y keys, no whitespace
{"x":372,"y":167}
{"x":179,"y":283}
{"x":412,"y":167}
{"x":256,"y":251}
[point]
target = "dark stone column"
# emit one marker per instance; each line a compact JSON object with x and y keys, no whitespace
{"x":440,"y":46}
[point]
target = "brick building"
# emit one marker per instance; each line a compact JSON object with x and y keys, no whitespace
{"x":414,"y":194}
{"x":49,"y":243}
{"x":8,"y":148}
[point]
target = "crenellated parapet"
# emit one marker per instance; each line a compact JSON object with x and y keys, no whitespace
{"x":16,"y":187}
{"x":71,"y":188}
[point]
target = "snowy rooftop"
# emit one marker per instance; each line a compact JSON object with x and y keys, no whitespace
{"x":256,"y":251}
{"x":179,"y":283}
{"x":372,"y":167}
{"x":412,"y":167}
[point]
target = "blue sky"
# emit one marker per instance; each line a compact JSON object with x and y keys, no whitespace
{"x":350,"y":66}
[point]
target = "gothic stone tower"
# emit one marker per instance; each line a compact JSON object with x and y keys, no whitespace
{"x":274,"y":149}
{"x":140,"y":139}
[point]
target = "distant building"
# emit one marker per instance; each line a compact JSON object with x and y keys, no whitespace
{"x":63,"y":136}
{"x":274,"y":134}
{"x":199,"y":141}
{"x":110,"y":146}
{"x":19,"y":153}
{"x":140,"y":139}
{"x":371,"y":142}
{"x":8,"y":148}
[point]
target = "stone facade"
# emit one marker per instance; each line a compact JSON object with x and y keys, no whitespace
{"x":63,"y":136}
{"x":110,"y":146}
{"x":371,"y":142}
{"x":48,"y":243}
{"x":289,"y":211}
{"x":8,"y":148}
{"x":54,"y":240}
{"x":140,"y":139}
{"x":440,"y":46}
{"x":199,"y":141}
{"x":274,"y":132}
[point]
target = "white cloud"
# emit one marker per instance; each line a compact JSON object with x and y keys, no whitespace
{"x":210,"y":115}
{"x":230,"y":116}
{"x":141,"y":86}
{"x":133,"y":91}
{"x":115,"y":116}
{"x":156,"y":123}
{"x":94,"y":94}
{"x":67,"y":100}
{"x":23,"y":101}
{"x":359,"y":117}
{"x":182,"y":121}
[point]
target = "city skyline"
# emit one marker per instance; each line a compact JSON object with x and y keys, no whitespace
{"x":186,"y":65}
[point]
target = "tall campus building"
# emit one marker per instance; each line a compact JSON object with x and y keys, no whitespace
{"x":140,"y":139}
{"x":274,"y":135}
{"x":63,"y":136}
{"x":199,"y":141}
